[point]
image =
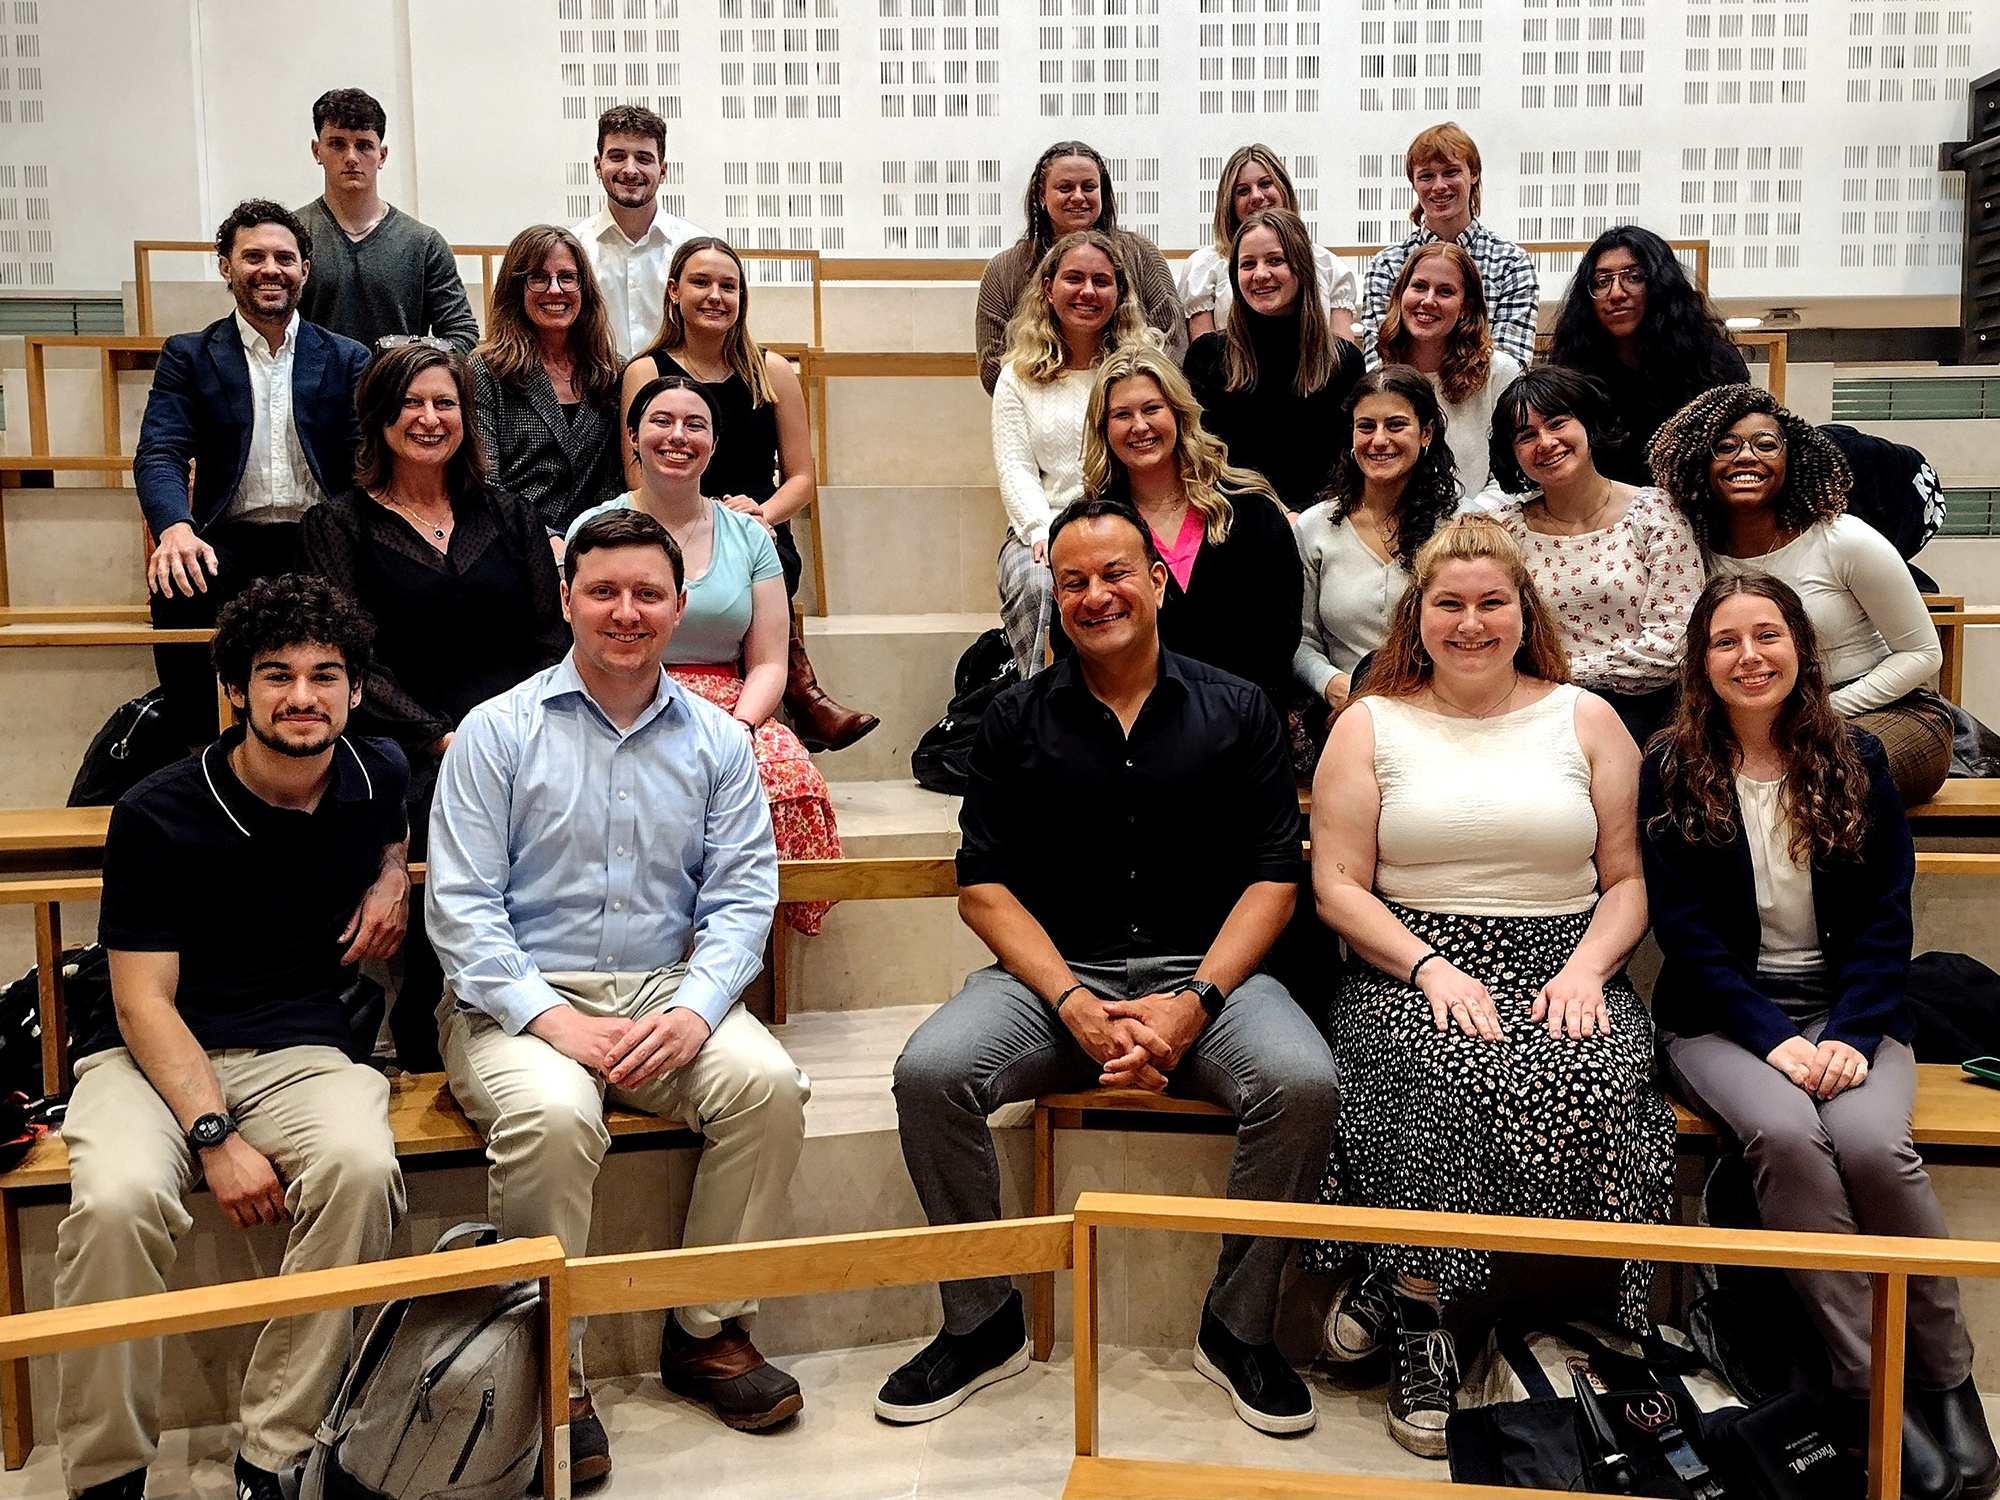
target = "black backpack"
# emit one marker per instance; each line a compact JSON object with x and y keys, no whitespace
{"x":944,"y":754}
{"x":1895,"y":489}
{"x":134,"y":743}
{"x":1956,"y":1001}
{"x":93,"y":1025}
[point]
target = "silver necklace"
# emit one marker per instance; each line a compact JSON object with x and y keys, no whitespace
{"x":1467,"y":713}
{"x":1582,"y":526}
{"x":415,"y":515}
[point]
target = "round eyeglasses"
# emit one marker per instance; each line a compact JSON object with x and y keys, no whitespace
{"x":1763,"y":444}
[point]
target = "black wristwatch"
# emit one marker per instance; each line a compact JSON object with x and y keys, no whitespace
{"x":1211,"y":998}
{"x":209,"y":1131}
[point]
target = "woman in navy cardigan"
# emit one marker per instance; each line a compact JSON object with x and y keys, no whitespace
{"x":1778,"y":868}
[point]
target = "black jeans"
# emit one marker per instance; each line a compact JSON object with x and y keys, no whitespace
{"x":245,"y":551}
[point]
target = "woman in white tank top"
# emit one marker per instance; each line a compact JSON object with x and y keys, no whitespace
{"x":1475,"y":842}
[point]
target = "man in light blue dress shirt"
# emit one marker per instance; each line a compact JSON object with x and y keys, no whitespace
{"x":602,"y":882}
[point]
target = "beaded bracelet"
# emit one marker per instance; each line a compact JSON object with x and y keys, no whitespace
{"x":1413,"y":967}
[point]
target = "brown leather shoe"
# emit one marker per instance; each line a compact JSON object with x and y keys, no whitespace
{"x":820,"y":723}
{"x":589,"y":1446}
{"x":729,"y":1374}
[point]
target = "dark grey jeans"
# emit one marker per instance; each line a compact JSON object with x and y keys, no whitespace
{"x":1846,"y":1166}
{"x":995,"y":1042}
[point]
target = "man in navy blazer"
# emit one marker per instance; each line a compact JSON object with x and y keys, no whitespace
{"x":261,"y":405}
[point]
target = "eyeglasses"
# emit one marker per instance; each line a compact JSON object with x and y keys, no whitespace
{"x":562,"y":281}
{"x":1763,"y":444}
{"x":1631,"y":277}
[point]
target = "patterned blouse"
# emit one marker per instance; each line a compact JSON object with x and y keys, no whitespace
{"x":1622,"y":594}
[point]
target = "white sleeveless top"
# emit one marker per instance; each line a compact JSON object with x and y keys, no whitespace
{"x":1484,"y":817}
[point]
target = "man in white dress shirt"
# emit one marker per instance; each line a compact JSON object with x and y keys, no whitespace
{"x":631,"y":241}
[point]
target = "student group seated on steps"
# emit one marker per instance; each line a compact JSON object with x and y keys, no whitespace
{"x":1455,"y":732}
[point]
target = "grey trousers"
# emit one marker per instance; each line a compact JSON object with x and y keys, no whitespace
{"x":995,"y":1042}
{"x":1027,"y":601}
{"x":1846,"y":1166}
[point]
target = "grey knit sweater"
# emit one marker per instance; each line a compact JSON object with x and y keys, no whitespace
{"x":400,"y":279}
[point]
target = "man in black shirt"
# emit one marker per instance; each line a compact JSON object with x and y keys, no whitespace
{"x":1130,"y":853}
{"x":241,"y":887}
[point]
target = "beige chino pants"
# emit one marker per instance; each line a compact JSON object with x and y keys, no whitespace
{"x":324,"y":1124}
{"x":543,"y":1118}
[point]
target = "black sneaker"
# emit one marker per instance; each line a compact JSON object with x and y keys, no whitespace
{"x":1362,"y":1319}
{"x":1423,"y":1379}
{"x":253,"y":1483}
{"x":954,"y":1365}
{"x":125,"y":1487}
{"x":1265,"y":1390}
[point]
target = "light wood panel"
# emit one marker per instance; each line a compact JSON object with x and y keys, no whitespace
{"x":100,"y":635}
{"x":1933,"y":862}
{"x":1888,"y":1335}
{"x":867,"y":879}
{"x":1962,"y":797}
{"x":1149,"y":1479}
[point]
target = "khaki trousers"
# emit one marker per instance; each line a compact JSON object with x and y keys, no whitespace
{"x":543,"y":1118}
{"x":324,"y":1124}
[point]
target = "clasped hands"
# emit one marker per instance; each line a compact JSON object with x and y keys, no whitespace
{"x":1138,"y":1042}
{"x":1571,"y":1004}
{"x":624,"y":1052}
{"x":1824,"y":1071}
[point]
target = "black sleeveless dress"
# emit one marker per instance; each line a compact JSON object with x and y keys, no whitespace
{"x":746,"y":453}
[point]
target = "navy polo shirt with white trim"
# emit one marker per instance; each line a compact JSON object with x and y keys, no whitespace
{"x":253,"y":898}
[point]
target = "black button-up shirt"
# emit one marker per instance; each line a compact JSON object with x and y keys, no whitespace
{"x":1130,"y":847}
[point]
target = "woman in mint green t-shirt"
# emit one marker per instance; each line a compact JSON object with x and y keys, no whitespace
{"x":730,"y":644}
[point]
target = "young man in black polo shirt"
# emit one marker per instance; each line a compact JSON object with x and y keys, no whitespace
{"x":1130,"y":853}
{"x":241,"y":886}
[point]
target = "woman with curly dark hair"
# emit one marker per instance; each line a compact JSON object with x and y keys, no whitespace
{"x":1392,"y":486}
{"x":1617,"y":563}
{"x":1778,"y":868}
{"x":1766,"y":492}
{"x":1633,"y":320}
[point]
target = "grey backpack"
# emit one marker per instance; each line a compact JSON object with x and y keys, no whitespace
{"x":442,"y":1401}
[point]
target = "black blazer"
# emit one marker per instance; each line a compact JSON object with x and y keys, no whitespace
{"x":561,"y":465}
{"x":1704,"y":904}
{"x":199,"y":412}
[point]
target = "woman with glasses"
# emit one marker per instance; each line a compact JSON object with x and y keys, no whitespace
{"x":1766,"y":492}
{"x":545,"y":380}
{"x":1634,"y":321}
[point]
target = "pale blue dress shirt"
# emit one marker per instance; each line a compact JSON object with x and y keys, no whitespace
{"x":559,"y":843}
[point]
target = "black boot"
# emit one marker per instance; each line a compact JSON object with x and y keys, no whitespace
{"x":1958,"y":1421}
{"x":1928,"y":1471}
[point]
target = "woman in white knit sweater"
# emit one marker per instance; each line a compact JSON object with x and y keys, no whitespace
{"x":1076,"y":309}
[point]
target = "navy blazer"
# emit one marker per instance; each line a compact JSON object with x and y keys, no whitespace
{"x":1704,"y":904}
{"x":200,"y":412}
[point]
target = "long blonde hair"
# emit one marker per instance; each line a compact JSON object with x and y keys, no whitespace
{"x":1403,"y":668}
{"x":1213,"y":484}
{"x":510,"y":351}
{"x":746,"y":355}
{"x":1226,"y":221}
{"x":1035,"y":346}
{"x":1468,"y":352}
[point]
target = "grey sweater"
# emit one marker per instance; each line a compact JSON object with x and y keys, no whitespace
{"x":400,"y":279}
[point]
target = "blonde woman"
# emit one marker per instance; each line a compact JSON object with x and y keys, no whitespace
{"x":1235,"y":586}
{"x":545,"y":380}
{"x":1254,"y":179}
{"x":1077,"y":309}
{"x":764,"y":462}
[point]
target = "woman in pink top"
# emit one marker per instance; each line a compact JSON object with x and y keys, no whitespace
{"x":1235,"y":584}
{"x":1618,"y":564}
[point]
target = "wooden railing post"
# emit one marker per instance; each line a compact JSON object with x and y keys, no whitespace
{"x":49,"y":993}
{"x":1887,"y":1332}
{"x":1083,"y":1336}
{"x":555,"y":1404}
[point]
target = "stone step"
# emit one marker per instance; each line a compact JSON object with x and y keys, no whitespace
{"x":905,"y":550}
{"x":898,"y":667}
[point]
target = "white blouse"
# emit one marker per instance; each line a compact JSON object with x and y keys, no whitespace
{"x":1038,"y":447}
{"x":1876,"y":639}
{"x":1203,"y":279}
{"x":1468,"y":429}
{"x":1350,"y":594}
{"x":1786,"y":918}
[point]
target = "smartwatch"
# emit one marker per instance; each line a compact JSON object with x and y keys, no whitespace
{"x":209,"y":1131}
{"x":1211,"y":998}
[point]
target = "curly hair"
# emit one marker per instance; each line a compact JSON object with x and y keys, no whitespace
{"x":1034,"y":342}
{"x":1468,"y":352}
{"x":350,"y":109}
{"x":378,"y":404}
{"x":291,"y":609}
{"x":510,"y":348}
{"x":1040,"y":233}
{"x":1430,"y":489}
{"x":1549,"y":391}
{"x":746,"y":355}
{"x":631,"y":119}
{"x":1826,"y":789}
{"x":254,"y":211}
{"x":1817,"y":478}
{"x":1226,"y":221}
{"x":1682,"y":344}
{"x":1403,"y":668}
{"x":1213,"y":484}
{"x":1317,"y":358}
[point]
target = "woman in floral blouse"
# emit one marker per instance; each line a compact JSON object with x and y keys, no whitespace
{"x":1618,"y":564}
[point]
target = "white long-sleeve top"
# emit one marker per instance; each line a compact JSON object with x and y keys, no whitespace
{"x":1349,"y":595}
{"x":1038,"y":447}
{"x":1875,"y":636}
{"x":1203,"y":282}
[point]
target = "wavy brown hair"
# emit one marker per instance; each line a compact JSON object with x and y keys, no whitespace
{"x":745,"y":354}
{"x":1317,"y":359}
{"x":509,"y":348}
{"x":378,"y":402}
{"x":1826,"y":785}
{"x":1403,"y":668}
{"x":1817,"y":478}
{"x":1468,"y":352}
{"x":1034,"y":344}
{"x":1430,"y":489}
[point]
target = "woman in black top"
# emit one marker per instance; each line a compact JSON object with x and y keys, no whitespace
{"x":1632,"y":319}
{"x":1272,"y":385}
{"x":545,"y":379}
{"x":1235,"y":585}
{"x":461,"y":582}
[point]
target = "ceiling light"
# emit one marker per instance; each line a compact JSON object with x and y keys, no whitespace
{"x":1744,"y":323}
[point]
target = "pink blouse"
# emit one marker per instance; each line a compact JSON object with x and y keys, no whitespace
{"x":1180,"y":552}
